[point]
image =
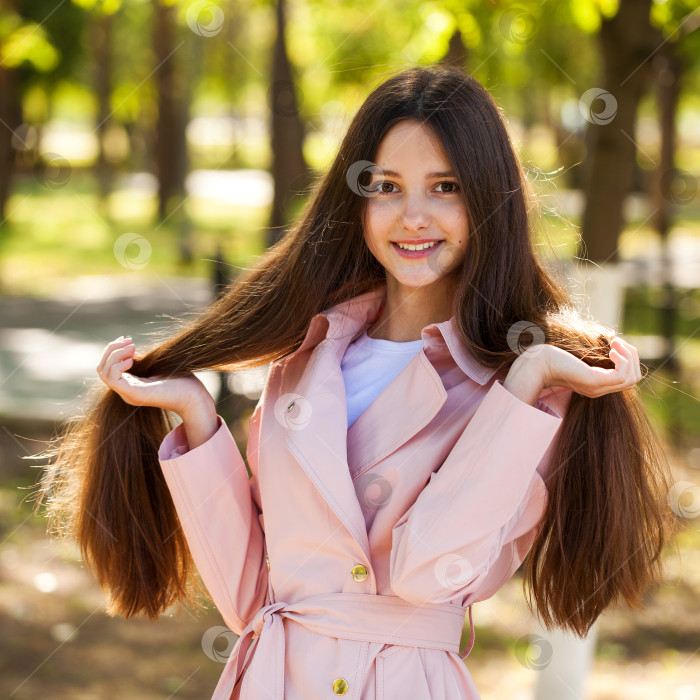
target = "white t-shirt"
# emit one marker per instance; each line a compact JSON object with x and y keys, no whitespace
{"x":369,"y":365}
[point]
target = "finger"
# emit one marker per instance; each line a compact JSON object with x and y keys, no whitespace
{"x":109,"y":348}
{"x":120,"y":353}
{"x":121,"y":357}
{"x":621,"y":364}
{"x":114,"y":358}
{"x":114,"y":374}
{"x":632,"y":373}
{"x":635,"y":359}
{"x":635,"y":368}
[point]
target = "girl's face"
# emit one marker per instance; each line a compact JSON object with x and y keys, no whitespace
{"x":415,"y":199}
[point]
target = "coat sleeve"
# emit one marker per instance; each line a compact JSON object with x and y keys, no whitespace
{"x":218,"y":507}
{"x":474,"y":521}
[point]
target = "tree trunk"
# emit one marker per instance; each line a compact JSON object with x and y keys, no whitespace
{"x":627,"y":41}
{"x":170,"y":142}
{"x":669,"y":70}
{"x":101,"y":36}
{"x":11,"y":115}
{"x":668,"y":78}
{"x":9,"y":103}
{"x":571,"y":148}
{"x":8,"y":114}
{"x":456,"y":51}
{"x":289,"y":170}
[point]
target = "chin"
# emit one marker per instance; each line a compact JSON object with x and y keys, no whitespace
{"x":417,"y":281}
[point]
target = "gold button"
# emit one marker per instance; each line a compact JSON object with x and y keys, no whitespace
{"x":267,"y":561}
{"x":340,"y":686}
{"x":359,"y":572}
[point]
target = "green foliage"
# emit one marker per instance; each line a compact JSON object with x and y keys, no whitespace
{"x":339,"y":49}
{"x":679,"y":21}
{"x":25,"y":43}
{"x":63,"y":26}
{"x":107,"y":7}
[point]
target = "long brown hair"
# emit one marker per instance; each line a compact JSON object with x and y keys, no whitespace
{"x":606,"y":521}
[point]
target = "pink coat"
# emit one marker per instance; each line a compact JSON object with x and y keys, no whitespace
{"x":348,"y":562}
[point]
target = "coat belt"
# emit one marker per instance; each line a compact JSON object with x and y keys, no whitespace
{"x":361,"y":617}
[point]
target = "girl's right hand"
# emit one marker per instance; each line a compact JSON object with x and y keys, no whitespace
{"x":176,"y":394}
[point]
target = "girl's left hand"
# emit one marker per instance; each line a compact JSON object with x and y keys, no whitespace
{"x":562,"y":368}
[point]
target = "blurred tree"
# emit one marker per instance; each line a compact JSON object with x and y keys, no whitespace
{"x":627,"y":42}
{"x":10,"y":104}
{"x":669,"y":187}
{"x":34,"y":44}
{"x":532,"y":56}
{"x":289,"y":170}
{"x":173,"y":110}
{"x":101,"y":42}
{"x":456,"y":51}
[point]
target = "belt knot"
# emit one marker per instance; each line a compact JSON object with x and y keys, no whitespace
{"x":263,"y":615}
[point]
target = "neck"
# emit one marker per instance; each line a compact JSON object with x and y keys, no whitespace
{"x":408,"y":310}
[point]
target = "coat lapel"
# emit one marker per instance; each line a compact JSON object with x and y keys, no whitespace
{"x":314,"y":409}
{"x":312,"y":406}
{"x":316,"y":436}
{"x":403,"y":408}
{"x":409,"y":402}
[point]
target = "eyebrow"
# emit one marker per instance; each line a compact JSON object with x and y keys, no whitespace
{"x":429,"y":176}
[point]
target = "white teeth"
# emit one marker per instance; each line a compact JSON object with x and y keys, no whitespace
{"x":421,"y":246}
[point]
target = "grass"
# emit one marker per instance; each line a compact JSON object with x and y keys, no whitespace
{"x":53,"y":235}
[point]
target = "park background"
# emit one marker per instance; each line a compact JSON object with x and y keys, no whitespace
{"x":151,"y":149}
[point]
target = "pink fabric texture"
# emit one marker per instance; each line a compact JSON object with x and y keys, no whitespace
{"x":349,"y":561}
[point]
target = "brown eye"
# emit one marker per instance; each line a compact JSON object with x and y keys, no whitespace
{"x":382,"y":185}
{"x":451,"y":184}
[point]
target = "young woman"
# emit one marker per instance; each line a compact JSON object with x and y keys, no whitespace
{"x":434,"y":411}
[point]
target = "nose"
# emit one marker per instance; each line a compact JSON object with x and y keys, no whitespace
{"x":414,"y":212}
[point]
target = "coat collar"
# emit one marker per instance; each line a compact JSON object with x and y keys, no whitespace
{"x":347,"y":320}
{"x":334,"y":456}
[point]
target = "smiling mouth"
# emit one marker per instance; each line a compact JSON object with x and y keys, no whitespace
{"x":417,"y":247}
